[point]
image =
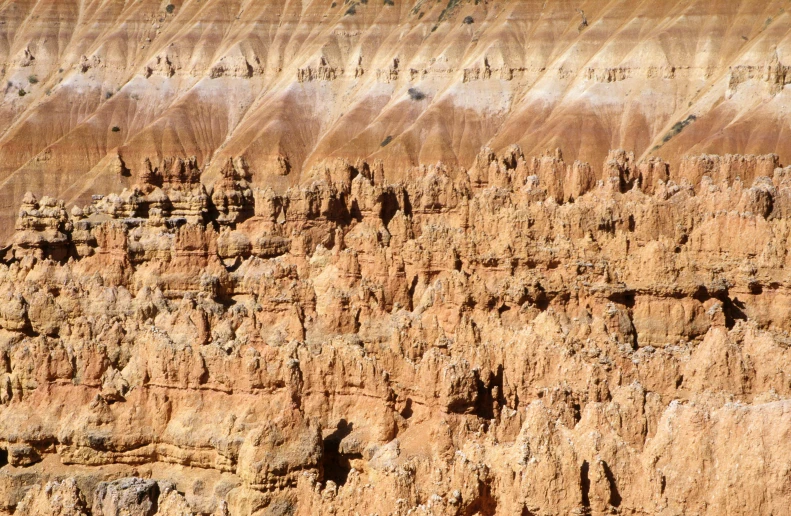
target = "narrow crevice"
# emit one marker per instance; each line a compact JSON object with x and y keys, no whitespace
{"x":615,"y":495}
{"x":585,"y":485}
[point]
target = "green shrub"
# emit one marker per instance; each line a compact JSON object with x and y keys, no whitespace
{"x":170,"y":8}
{"x":416,"y":94}
{"x":32,"y":79}
{"x":678,"y":127}
{"x":115,"y":129}
{"x":386,"y":141}
{"x":22,"y":92}
{"x":448,"y":9}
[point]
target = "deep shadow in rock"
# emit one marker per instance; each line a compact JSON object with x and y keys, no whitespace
{"x":484,"y":505}
{"x":407,"y":412}
{"x":615,"y":496}
{"x":585,"y":485}
{"x":336,"y":464}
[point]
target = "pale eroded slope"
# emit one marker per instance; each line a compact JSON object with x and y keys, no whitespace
{"x":297,"y":82}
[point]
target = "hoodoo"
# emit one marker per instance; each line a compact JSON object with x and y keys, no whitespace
{"x":385,"y":257}
{"x":526,"y":336}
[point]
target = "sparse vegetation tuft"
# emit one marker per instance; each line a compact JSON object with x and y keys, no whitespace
{"x":351,"y":11}
{"x":22,"y":92}
{"x":389,"y":2}
{"x":678,"y":127}
{"x":416,"y":94}
{"x":108,"y":95}
{"x":32,"y":79}
{"x":115,"y":129}
{"x":468,"y":20}
{"x":170,"y":8}
{"x":448,"y":10}
{"x":386,"y":141}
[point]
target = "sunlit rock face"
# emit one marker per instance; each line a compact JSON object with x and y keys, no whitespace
{"x":526,"y":336}
{"x":454,"y":258}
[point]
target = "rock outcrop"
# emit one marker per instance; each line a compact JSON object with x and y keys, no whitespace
{"x":524,"y":337}
{"x":93,"y":88}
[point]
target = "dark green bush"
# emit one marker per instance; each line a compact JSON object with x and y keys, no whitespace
{"x":416,"y":94}
{"x":678,"y":127}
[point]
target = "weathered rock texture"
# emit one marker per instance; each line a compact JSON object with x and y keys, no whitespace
{"x":93,"y":87}
{"x":529,"y":336}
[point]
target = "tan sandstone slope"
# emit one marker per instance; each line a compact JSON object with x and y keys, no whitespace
{"x":287,"y":84}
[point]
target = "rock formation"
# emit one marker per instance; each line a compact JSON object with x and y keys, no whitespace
{"x":529,"y":336}
{"x":91,"y":89}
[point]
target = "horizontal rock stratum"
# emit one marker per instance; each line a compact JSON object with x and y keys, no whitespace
{"x":92,"y":88}
{"x":529,"y":336}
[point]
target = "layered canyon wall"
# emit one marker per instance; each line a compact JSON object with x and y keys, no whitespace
{"x":93,"y":87}
{"x":297,"y":258}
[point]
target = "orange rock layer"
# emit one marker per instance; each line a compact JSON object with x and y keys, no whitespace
{"x":527,"y":337}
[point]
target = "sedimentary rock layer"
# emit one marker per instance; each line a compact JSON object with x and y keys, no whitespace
{"x":93,"y":87}
{"x":529,"y":336}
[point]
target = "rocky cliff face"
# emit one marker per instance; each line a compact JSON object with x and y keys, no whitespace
{"x":529,"y":336}
{"x":92,"y":88}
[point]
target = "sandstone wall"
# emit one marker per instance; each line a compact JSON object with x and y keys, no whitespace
{"x":526,"y":337}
